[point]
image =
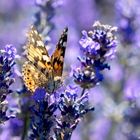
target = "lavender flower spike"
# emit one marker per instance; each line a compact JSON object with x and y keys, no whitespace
{"x":72,"y":109}
{"x":6,"y":77}
{"x":46,"y":11}
{"x":42,"y":116}
{"x":98,"y":46}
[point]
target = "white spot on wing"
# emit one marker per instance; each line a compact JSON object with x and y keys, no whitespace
{"x":40,"y":43}
{"x":46,"y":58}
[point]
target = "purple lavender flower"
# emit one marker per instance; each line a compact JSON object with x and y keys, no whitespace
{"x":98,"y":46}
{"x":87,"y":78}
{"x":42,"y":115}
{"x":128,"y":14}
{"x":72,"y":108}
{"x":6,"y":77}
{"x":131,"y":122}
{"x":46,"y":124}
{"x":6,"y":70}
{"x":16,"y":126}
{"x":39,"y":94}
{"x":100,"y":43}
{"x":10,"y":52}
{"x":44,"y":15}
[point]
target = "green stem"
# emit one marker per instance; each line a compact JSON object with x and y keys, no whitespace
{"x":61,"y":136}
{"x":25,"y":127}
{"x":83,"y":91}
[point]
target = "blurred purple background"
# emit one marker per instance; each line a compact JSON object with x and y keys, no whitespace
{"x":116,"y":99}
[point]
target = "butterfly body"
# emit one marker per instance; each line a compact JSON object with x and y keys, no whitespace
{"x":41,"y":70}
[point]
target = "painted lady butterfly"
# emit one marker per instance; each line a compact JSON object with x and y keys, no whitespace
{"x":41,"y":70}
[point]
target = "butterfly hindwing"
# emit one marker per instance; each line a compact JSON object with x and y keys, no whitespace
{"x":33,"y":78}
{"x":57,"y":58}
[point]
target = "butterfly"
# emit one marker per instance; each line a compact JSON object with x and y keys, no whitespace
{"x":41,"y":70}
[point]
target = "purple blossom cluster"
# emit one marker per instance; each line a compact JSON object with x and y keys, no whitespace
{"x":43,"y":16}
{"x":7,"y":62}
{"x":98,"y":46}
{"x":129,"y":23}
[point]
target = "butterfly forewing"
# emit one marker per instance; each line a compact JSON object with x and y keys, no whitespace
{"x":57,"y":58}
{"x":36,"y":51}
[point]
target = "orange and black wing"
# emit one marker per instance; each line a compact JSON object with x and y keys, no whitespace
{"x":36,"y":69}
{"x":57,"y":58}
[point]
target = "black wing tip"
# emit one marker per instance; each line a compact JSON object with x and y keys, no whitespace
{"x":65,"y":30}
{"x":64,"y":35}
